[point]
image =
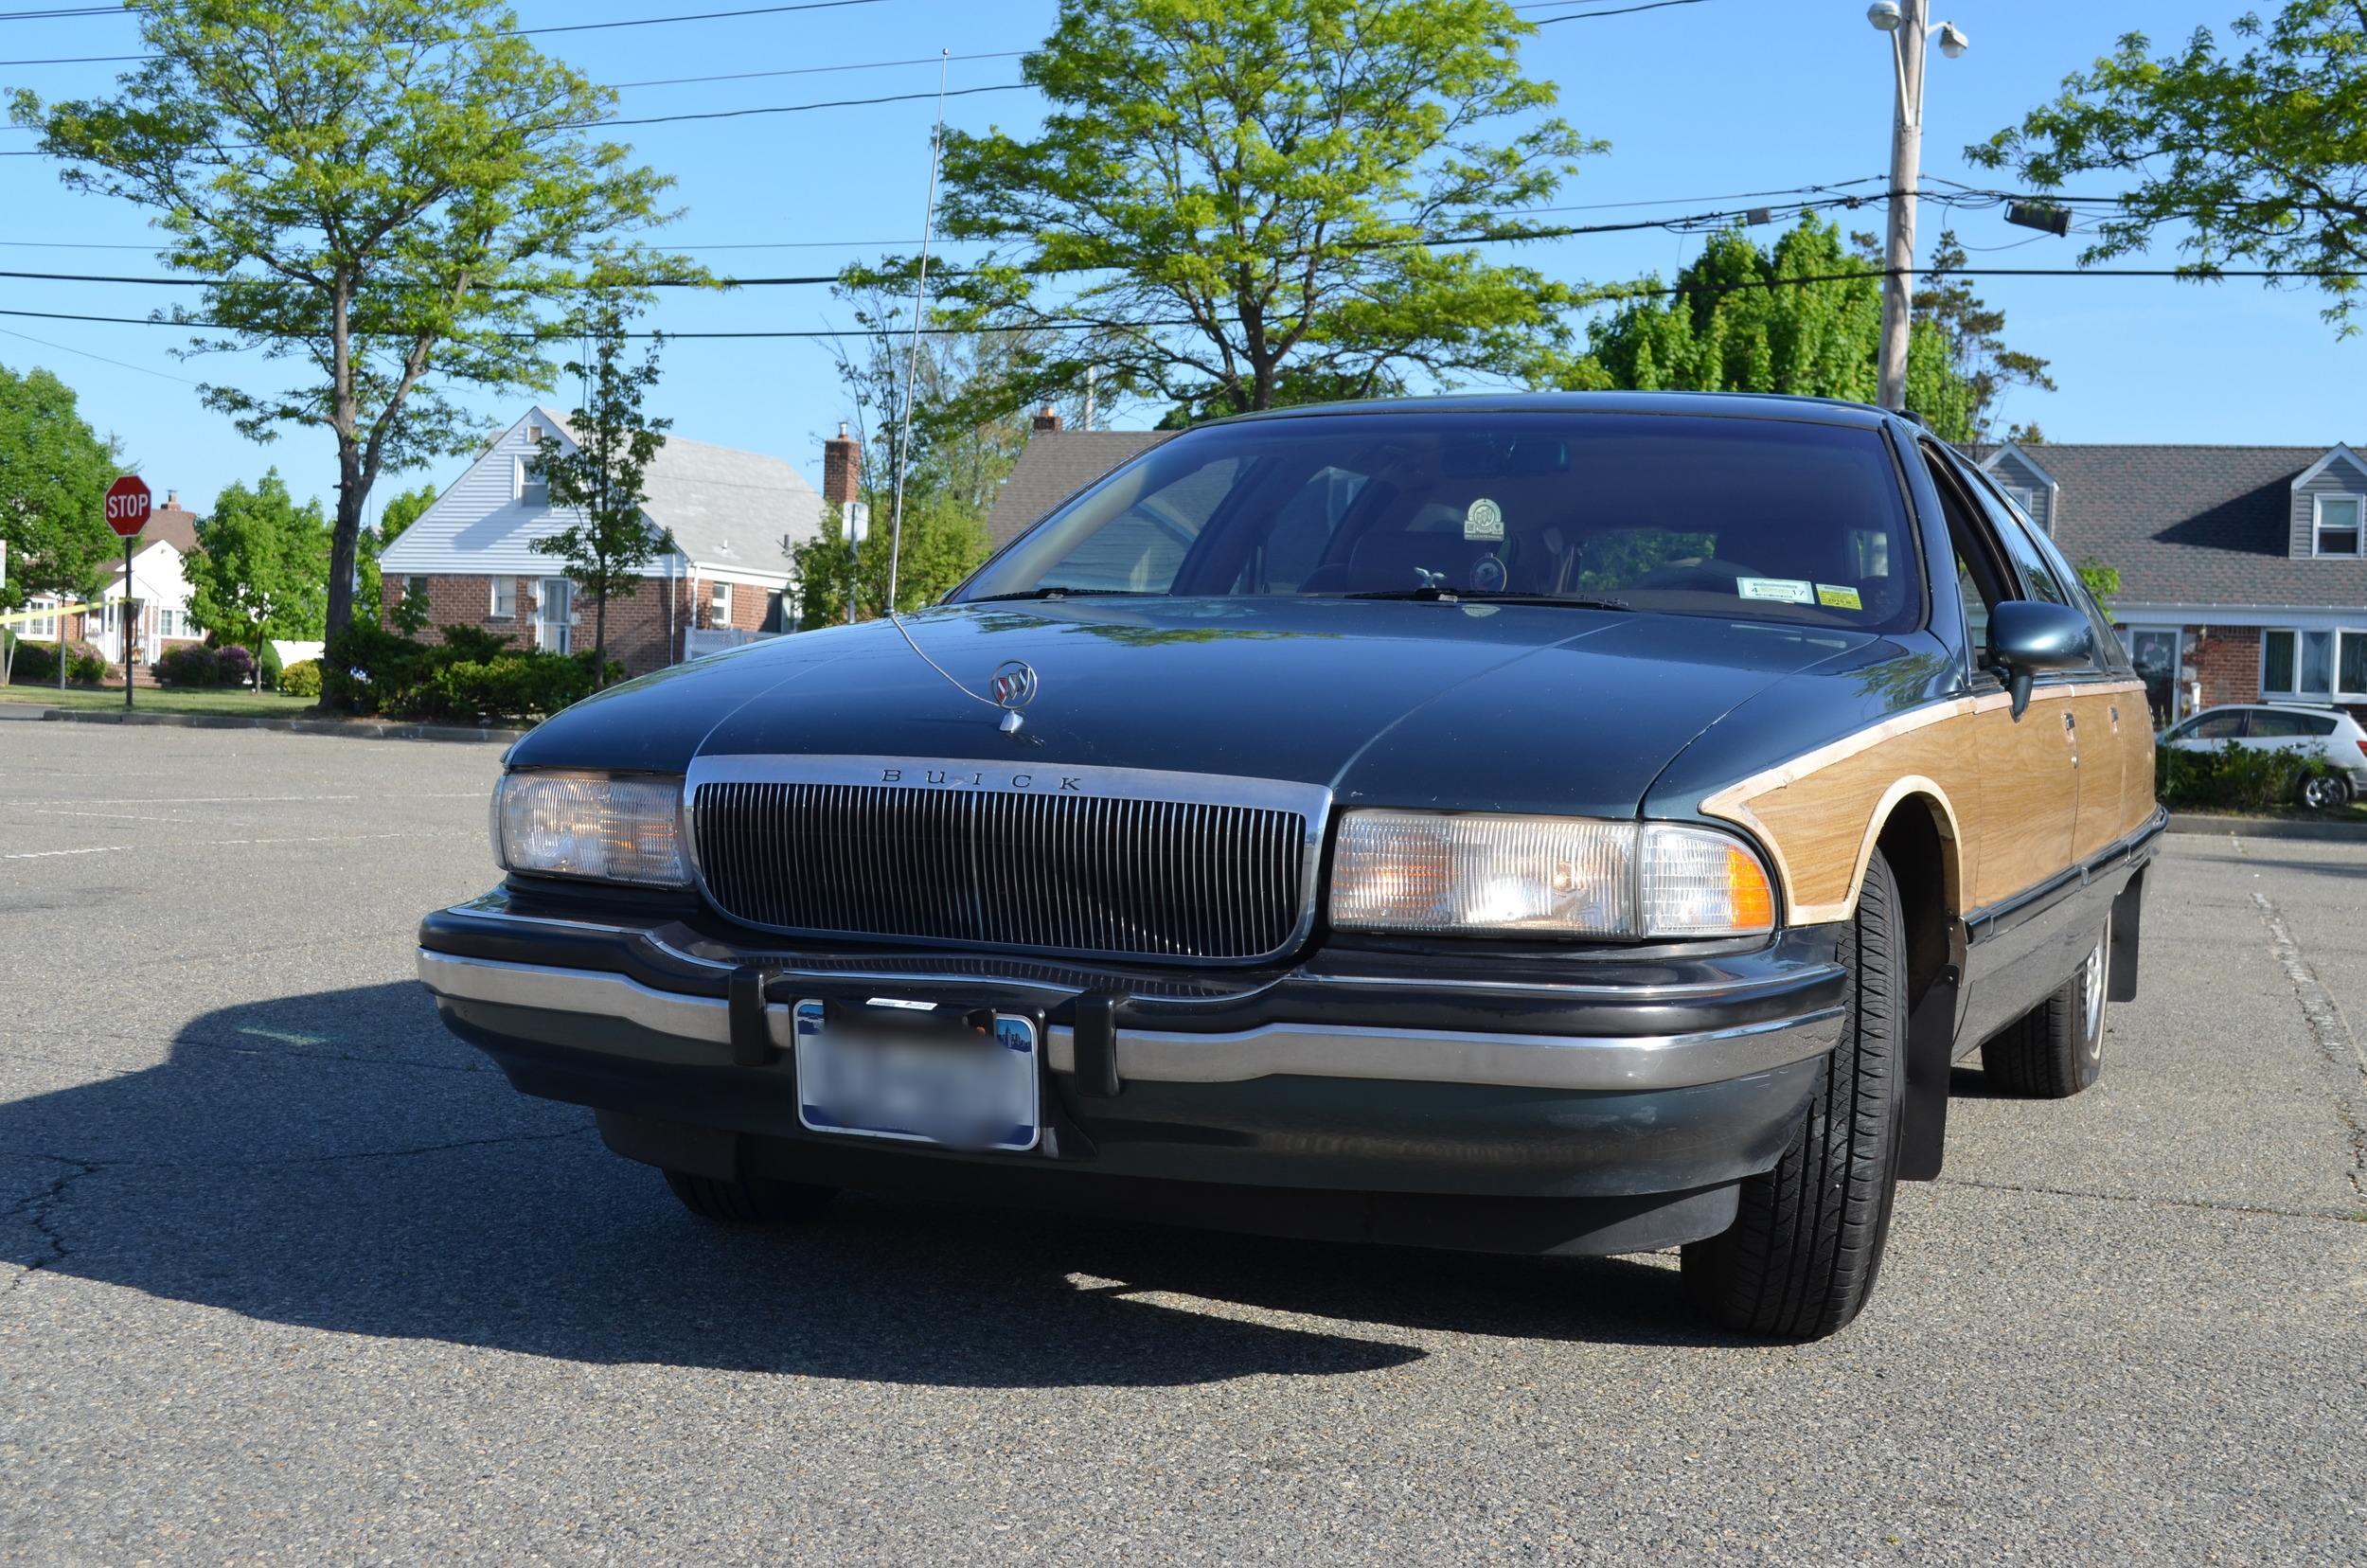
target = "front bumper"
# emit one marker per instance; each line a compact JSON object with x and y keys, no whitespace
{"x":1320,"y":1098}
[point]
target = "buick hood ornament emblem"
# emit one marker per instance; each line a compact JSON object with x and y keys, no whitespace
{"x":1013,"y":687}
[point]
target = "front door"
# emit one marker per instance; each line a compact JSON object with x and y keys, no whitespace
{"x":2156,"y":654}
{"x":2022,"y":876}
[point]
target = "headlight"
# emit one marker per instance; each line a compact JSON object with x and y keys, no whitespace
{"x":1559,"y":876}
{"x":576,"y":824}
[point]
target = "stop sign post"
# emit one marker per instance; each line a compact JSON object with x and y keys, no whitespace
{"x":128,"y":506}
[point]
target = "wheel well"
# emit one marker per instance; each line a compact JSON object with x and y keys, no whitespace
{"x":1921,"y":853}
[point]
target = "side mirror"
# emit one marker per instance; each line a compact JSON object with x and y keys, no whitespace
{"x":2028,"y":637}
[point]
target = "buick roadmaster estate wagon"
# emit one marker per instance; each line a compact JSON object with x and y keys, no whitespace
{"x":1568,"y":823}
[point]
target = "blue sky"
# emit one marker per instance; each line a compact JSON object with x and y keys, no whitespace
{"x":1700,"y":100}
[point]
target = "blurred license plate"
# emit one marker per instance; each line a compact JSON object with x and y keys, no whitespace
{"x":965,"y":1088}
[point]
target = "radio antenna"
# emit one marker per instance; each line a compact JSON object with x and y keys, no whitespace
{"x":1012,"y":719}
{"x":912,"y":362}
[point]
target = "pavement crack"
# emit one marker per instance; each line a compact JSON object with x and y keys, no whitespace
{"x":2331,"y":1032}
{"x":38,"y":1211}
{"x":2147,"y":1198}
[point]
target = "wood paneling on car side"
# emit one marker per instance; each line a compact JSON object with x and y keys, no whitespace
{"x":2008,"y":793}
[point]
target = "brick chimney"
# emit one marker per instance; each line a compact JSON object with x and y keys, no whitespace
{"x":1047,"y":418}
{"x":842,"y":466}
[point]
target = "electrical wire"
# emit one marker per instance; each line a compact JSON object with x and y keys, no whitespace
{"x":505,"y":32}
{"x":814,"y":70}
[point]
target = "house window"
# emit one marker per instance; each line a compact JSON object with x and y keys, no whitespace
{"x":2337,"y":524}
{"x":720,"y":605}
{"x":42,"y":626}
{"x":551,"y":631}
{"x":2023,"y":496}
{"x":530,"y":488}
{"x":2316,"y":665}
{"x":504,"y":597}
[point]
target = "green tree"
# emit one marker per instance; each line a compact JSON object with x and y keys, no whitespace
{"x":957,"y":460}
{"x":1297,"y":181}
{"x":2252,"y":157}
{"x":601,"y":476}
{"x":263,"y":570}
{"x":54,"y":474}
{"x":400,"y":513}
{"x":380,"y":190}
{"x":1733,"y":324}
{"x":1976,"y":349}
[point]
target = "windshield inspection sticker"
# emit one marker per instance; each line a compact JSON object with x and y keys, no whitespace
{"x":1485,"y":520}
{"x":1781,"y":590}
{"x":1834,"y":596}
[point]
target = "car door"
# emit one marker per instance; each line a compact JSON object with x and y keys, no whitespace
{"x":2020,"y":907}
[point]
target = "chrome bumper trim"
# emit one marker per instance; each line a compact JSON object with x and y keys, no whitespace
{"x":1305,"y":1050}
{"x":1440,"y":1056}
{"x":577,"y":992}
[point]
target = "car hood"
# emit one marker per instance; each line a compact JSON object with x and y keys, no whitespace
{"x":1474,"y":706}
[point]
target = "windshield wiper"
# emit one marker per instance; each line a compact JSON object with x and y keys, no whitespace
{"x":1575,"y":601}
{"x":1046,"y":594}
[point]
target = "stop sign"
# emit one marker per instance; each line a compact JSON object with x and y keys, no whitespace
{"x":128,"y":503}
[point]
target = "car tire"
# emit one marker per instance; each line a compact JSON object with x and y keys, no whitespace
{"x":2325,"y":792}
{"x":749,"y":1201}
{"x":2057,"y":1049}
{"x":1806,"y":1243}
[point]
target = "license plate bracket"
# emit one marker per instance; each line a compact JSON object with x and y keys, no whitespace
{"x":918,"y":1071}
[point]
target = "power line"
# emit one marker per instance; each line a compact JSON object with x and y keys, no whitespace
{"x":796,"y":108}
{"x":670,"y":119}
{"x":1610,"y":294}
{"x":1623,"y":11}
{"x":506,"y":32}
{"x":121,"y":365}
{"x":814,"y":70}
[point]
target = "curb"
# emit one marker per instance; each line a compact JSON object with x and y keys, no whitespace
{"x":2268,"y":827}
{"x":297,"y":726}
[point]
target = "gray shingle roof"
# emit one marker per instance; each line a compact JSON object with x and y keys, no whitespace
{"x":1054,"y":465}
{"x":2194,"y":525}
{"x":729,"y":509}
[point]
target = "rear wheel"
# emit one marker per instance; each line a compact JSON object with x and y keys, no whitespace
{"x":749,"y":1201}
{"x":1806,"y":1243}
{"x":2057,"y":1049}
{"x":2325,"y":792}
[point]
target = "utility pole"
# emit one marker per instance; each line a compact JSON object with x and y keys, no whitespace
{"x":1907,"y":21}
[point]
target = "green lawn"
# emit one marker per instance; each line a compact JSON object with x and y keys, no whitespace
{"x":152,"y":700}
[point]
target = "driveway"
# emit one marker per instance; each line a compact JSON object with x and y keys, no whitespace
{"x":288,"y":1276}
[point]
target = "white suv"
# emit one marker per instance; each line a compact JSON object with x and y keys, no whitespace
{"x":2324,"y":732}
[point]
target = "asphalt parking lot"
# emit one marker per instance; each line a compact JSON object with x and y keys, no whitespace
{"x":286,"y":1276}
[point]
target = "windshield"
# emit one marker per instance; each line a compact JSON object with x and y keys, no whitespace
{"x":1685,"y":514}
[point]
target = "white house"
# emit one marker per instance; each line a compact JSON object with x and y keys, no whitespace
{"x":733,"y":516}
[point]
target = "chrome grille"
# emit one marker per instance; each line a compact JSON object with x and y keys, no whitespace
{"x":1091,"y":874}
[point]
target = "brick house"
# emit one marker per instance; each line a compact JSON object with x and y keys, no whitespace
{"x":733,"y":516}
{"x":2243,"y":569}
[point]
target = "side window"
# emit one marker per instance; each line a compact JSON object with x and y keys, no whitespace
{"x":2267,"y":723}
{"x":1302,"y":534}
{"x":2043,"y":574}
{"x":2228,"y":725}
{"x":1982,"y":580}
{"x":1140,"y":550}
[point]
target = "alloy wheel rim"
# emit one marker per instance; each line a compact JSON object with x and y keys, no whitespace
{"x":2091,"y":998}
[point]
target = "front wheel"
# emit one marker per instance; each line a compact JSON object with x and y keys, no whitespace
{"x":1807,"y":1242}
{"x":2325,"y":792}
{"x":2057,"y":1049}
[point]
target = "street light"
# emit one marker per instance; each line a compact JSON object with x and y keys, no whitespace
{"x":1906,"y":22}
